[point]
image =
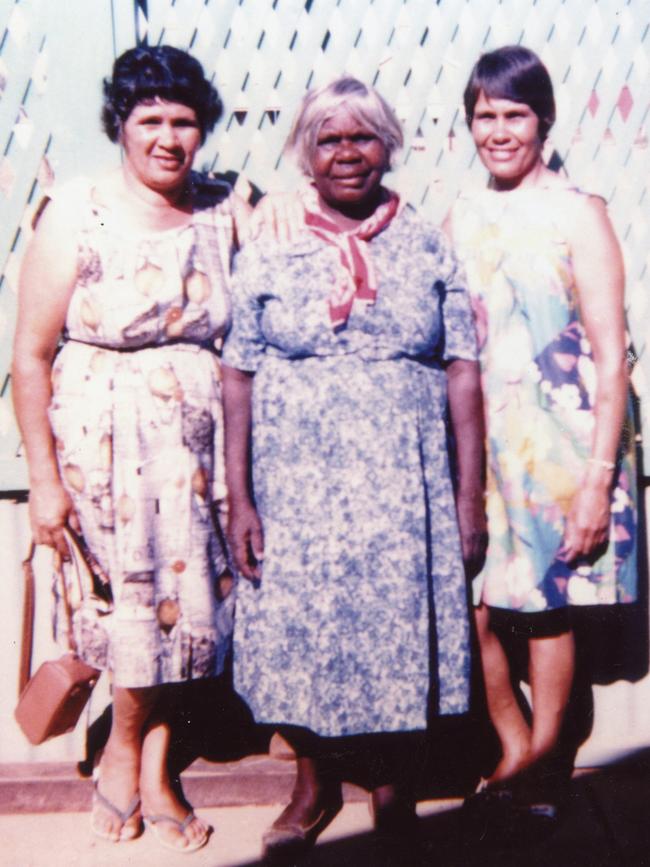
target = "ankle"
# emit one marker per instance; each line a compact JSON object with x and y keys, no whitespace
{"x":158,"y":792}
{"x":541,"y":747}
{"x":307,"y":797}
{"x":119,"y":751}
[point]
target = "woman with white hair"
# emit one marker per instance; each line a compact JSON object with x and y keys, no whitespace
{"x":348,"y":343}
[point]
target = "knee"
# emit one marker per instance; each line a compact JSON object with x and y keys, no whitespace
{"x":484,"y":626}
{"x":132,"y":708}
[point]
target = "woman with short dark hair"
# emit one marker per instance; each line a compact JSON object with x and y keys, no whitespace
{"x":517,"y":74}
{"x":545,"y":274}
{"x":122,"y":423}
{"x":163,"y":72}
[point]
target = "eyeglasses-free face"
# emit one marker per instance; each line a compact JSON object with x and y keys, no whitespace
{"x":506,"y":135}
{"x":160,"y":140}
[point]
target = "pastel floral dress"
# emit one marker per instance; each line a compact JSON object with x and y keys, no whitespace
{"x":359,"y":623}
{"x":539,"y":383}
{"x":137,"y":419}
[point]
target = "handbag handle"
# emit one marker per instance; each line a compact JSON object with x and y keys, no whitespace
{"x":27,"y":644}
{"x":25,"y":668}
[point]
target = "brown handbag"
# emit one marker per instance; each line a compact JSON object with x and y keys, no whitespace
{"x":51,"y":702}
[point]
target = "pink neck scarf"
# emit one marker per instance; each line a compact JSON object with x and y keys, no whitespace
{"x":357,"y":280}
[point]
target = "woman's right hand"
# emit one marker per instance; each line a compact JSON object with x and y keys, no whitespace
{"x":47,"y":279}
{"x":50,"y":510}
{"x":279,"y":216}
{"x":246,"y":539}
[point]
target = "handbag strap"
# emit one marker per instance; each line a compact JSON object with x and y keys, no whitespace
{"x":27,"y":645}
{"x":25,"y":668}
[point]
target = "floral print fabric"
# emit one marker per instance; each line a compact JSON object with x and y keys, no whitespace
{"x":539,"y":383}
{"x":360,"y":618}
{"x":136,"y":416}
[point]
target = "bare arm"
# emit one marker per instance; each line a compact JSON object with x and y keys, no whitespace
{"x":600,"y":279}
{"x":46,"y":282}
{"x":244,"y":527}
{"x":466,"y":412}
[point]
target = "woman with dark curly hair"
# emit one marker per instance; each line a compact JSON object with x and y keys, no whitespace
{"x":122,"y":427}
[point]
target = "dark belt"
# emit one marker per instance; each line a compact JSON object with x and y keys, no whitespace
{"x":177,"y":342}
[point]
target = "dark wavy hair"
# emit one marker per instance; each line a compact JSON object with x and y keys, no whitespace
{"x":516,"y":73}
{"x":146,"y":73}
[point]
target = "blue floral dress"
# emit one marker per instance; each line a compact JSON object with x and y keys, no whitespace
{"x":539,"y":383}
{"x":359,"y":623}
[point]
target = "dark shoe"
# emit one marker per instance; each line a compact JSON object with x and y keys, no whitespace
{"x":488,"y":816}
{"x":534,"y":822}
{"x":288,"y":840}
{"x":497,"y":815}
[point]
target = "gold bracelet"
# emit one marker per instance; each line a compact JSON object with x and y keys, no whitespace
{"x":599,"y":462}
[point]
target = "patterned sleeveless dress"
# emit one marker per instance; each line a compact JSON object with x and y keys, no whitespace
{"x":137,"y":420}
{"x":539,"y":383}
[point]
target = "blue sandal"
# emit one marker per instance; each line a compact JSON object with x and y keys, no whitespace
{"x":181,"y":825}
{"x":122,"y":815}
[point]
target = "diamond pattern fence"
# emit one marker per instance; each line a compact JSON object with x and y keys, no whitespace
{"x":263,"y":54}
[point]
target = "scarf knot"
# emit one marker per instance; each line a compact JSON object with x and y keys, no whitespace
{"x":357,"y":280}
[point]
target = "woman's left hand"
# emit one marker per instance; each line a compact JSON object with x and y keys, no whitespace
{"x":587,"y":524}
{"x":472,"y":525}
{"x":600,"y":280}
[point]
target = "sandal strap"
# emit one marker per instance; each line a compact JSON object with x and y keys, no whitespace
{"x":122,"y":815}
{"x":181,"y":824}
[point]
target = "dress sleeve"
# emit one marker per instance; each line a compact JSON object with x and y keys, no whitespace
{"x":457,"y":317}
{"x":245,"y":343}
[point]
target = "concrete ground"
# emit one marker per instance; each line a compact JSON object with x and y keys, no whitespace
{"x":65,"y":839}
{"x":606,"y":823}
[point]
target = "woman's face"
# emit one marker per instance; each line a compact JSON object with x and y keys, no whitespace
{"x":160,"y":140}
{"x":348,"y":162}
{"x":506,"y":135}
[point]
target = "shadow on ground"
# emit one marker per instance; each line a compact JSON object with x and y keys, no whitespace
{"x":605,"y":822}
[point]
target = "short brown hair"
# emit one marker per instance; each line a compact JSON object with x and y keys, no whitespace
{"x":516,"y":73}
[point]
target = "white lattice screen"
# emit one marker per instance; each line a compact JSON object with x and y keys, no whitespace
{"x":264,"y":53}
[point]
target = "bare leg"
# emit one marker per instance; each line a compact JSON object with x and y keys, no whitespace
{"x":512,"y":729}
{"x":395,"y":763}
{"x":393,"y":811}
{"x":158,"y":796}
{"x":120,"y":764}
{"x":551,"y":668}
{"x":315,"y":800}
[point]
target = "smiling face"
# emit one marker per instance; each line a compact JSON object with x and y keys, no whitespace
{"x":348,"y":164}
{"x":506,"y":135}
{"x":160,"y":140}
